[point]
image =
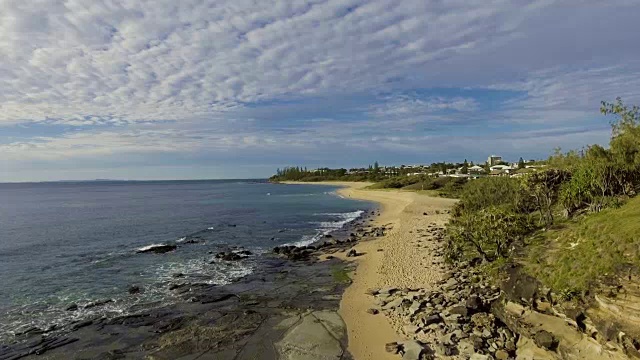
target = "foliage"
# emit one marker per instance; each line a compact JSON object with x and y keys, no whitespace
{"x":490,"y":191}
{"x":488,"y":233}
{"x":576,"y":256}
{"x":543,"y":188}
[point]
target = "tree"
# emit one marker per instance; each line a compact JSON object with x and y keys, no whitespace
{"x":376,"y":168}
{"x":521,"y":163}
{"x":543,"y":187}
{"x":465,"y":167}
{"x":488,"y":233}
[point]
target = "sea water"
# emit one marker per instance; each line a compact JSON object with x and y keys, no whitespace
{"x":79,"y":242}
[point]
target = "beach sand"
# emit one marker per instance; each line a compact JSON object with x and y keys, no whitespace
{"x":395,"y":260}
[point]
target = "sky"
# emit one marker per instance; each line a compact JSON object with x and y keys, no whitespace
{"x":166,"y":89}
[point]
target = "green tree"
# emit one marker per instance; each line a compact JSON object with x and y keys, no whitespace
{"x":465,"y":167}
{"x":488,"y":233}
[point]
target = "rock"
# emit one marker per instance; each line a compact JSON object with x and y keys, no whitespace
{"x":474,"y":303}
{"x":410,"y":329}
{"x":412,"y":350}
{"x":433,"y":319}
{"x":157,"y":249}
{"x":393,"y":304}
{"x":392,"y":347}
{"x":229,"y":256}
{"x":352,"y":253}
{"x":477,"y":341}
{"x":72,"y":307}
{"x":372,"y":292}
{"x":315,"y":337}
{"x":459,"y":310}
{"x":445,"y":350}
{"x":501,"y":355}
{"x":373,"y":311}
{"x":545,"y":339}
{"x":134,"y":289}
{"x":98,"y":303}
{"x":415,"y":306}
{"x":477,"y":356}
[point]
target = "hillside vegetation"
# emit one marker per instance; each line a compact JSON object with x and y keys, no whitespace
{"x":573,"y":224}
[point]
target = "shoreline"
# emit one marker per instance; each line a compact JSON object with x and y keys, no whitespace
{"x":390,"y":261}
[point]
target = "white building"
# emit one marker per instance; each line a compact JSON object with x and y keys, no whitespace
{"x":494,"y":159}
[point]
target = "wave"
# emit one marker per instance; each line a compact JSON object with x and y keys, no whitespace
{"x":148,"y":247}
{"x":327,"y":227}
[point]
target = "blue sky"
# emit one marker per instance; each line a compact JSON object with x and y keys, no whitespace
{"x":168,"y":89}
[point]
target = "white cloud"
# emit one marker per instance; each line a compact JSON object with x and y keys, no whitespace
{"x":113,"y":71}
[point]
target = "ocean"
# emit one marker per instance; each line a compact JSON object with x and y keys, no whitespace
{"x":79,"y":242}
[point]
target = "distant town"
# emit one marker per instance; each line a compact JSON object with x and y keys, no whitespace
{"x":494,"y":166}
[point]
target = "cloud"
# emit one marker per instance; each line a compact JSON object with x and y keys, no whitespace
{"x":310,"y":78}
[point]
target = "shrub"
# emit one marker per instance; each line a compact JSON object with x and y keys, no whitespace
{"x":488,"y":233}
{"x":490,"y":191}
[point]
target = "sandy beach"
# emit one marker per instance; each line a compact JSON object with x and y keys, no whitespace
{"x":400,"y":259}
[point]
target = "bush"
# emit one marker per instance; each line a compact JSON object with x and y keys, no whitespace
{"x":490,"y":191}
{"x":488,"y":233}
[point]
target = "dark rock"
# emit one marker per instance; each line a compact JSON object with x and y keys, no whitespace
{"x":545,"y":340}
{"x":474,"y":303}
{"x":98,"y":303}
{"x":352,"y":253}
{"x":158,"y":249}
{"x":191,"y":241}
{"x":477,"y":341}
{"x":72,"y":307}
{"x":445,"y":350}
{"x":392,"y":347}
{"x":373,"y":311}
{"x":328,"y":236}
{"x":230,"y":256}
{"x":134,"y":289}
{"x":433,"y":319}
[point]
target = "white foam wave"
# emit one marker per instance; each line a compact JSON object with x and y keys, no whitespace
{"x":148,"y":247}
{"x":327,"y":227}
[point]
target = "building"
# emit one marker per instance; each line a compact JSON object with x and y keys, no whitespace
{"x":476,"y":169}
{"x":494,"y":159}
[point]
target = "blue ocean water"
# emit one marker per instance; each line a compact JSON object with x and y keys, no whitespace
{"x":63,"y":243}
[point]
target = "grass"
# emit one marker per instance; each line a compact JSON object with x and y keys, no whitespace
{"x":576,"y":256}
{"x":340,"y":274}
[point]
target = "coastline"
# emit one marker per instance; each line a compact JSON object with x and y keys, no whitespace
{"x":388,"y":262}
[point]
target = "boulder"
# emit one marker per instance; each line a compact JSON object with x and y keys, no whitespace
{"x":134,"y":289}
{"x":545,"y":339}
{"x":412,"y":350}
{"x":392,"y":347}
{"x":352,"y":253}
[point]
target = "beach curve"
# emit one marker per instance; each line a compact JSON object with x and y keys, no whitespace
{"x":389,"y":261}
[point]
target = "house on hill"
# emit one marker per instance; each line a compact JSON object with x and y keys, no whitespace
{"x":476,"y":169}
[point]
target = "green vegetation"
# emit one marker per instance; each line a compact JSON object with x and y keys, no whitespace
{"x":441,"y":186}
{"x":566,"y":223}
{"x":573,"y":258}
{"x":340,"y":274}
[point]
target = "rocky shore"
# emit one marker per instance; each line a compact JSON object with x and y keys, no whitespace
{"x":286,"y":311}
